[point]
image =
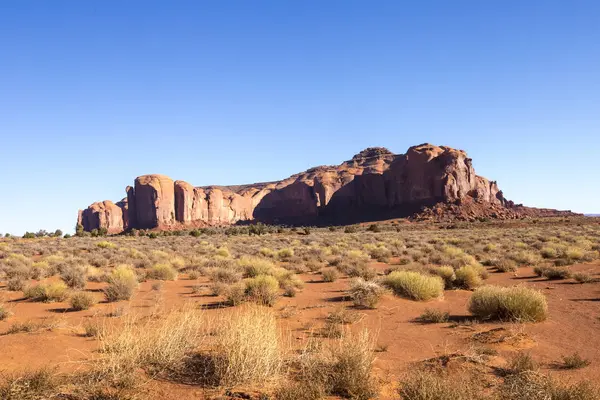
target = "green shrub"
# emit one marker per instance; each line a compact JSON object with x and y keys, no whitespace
{"x":255,"y":266}
{"x":447,"y":273}
{"x":511,"y":304}
{"x":82,"y":301}
{"x":122,"y":283}
{"x":330,"y":275}
{"x":414,"y":285}
{"x":106,"y":245}
{"x":262,"y":289}
{"x":47,"y":292}
{"x":163,"y":272}
{"x":468,"y":277}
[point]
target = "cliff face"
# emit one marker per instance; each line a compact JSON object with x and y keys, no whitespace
{"x":374,"y":184}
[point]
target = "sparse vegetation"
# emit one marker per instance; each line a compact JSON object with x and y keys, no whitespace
{"x":510,"y":304}
{"x":414,"y":285}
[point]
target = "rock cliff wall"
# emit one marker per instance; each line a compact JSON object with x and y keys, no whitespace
{"x":374,"y":184}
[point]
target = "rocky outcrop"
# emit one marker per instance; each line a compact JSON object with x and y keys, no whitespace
{"x":154,"y":201}
{"x":103,"y":214}
{"x":427,"y":181}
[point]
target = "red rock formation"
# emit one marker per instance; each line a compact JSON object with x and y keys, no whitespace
{"x":428,"y":181}
{"x":154,"y":201}
{"x":104,"y":214}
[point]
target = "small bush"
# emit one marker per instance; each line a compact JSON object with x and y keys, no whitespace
{"x":433,"y":316}
{"x":248,"y":348}
{"x":330,"y":275}
{"x":468,"y":277}
{"x":285,"y":254}
{"x":4,"y":313}
{"x":263,"y":289}
{"x":235,"y":293}
{"x":512,"y":304}
{"x":506,"y":265}
{"x":556,"y":273}
{"x":34,"y":385}
{"x":582,"y":277}
{"x":365,"y":293}
{"x":255,"y":266}
{"x":414,"y":285}
{"x":105,"y":244}
{"x":122,"y":283}
{"x":522,"y":362}
{"x":163,"y":272}
{"x":574,"y":361}
{"x":15,"y":284}
{"x":438,"y":385}
{"x":47,"y":293}
{"x":447,"y":273}
{"x":74,"y":276}
{"x":82,"y":301}
{"x":534,"y":386}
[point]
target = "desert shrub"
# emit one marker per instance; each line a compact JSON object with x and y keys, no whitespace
{"x":574,"y":361}
{"x":74,"y":276}
{"x":361,"y":271}
{"x":438,"y":385}
{"x":248,"y":348}
{"x":433,"y":316}
{"x":380,"y":253}
{"x":447,"y":273}
{"x":47,"y":292}
{"x":122,"y":283}
{"x":506,"y":265}
{"x":582,"y":277}
{"x":104,"y":244}
{"x":513,"y":304}
{"x":574,"y":253}
{"x":235,"y":293}
{"x":330,"y":275}
{"x":32,"y":385}
{"x":82,"y":301}
{"x":522,"y":362}
{"x":155,"y":344}
{"x":285,"y":254}
{"x":343,"y":316}
{"x":468,"y":277}
{"x":555,"y":273}
{"x":350,"y":367}
{"x":533,"y":386}
{"x":414,"y":285}
{"x":365,"y":293}
{"x":549,"y":252}
{"x":526,"y":258}
{"x":163,"y":272}
{"x":262,"y":289}
{"x":222,"y":252}
{"x":225,"y":275}
{"x":255,"y":266}
{"x":15,"y":284}
{"x":540,"y":270}
{"x":4,"y":313}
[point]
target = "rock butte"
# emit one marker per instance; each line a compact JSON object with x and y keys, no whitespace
{"x":426,"y":183}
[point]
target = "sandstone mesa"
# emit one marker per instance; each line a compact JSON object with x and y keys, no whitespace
{"x":428,"y":182}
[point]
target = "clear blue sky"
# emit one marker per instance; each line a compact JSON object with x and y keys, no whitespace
{"x":93,"y":94}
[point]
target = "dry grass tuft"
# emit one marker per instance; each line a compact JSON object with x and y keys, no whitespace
{"x":516,"y":303}
{"x":414,"y":285}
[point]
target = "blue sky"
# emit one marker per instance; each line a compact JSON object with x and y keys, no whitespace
{"x":93,"y":94}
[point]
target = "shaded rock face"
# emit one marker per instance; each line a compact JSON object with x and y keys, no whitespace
{"x":374,"y":184}
{"x":104,"y":214}
{"x":154,"y":201}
